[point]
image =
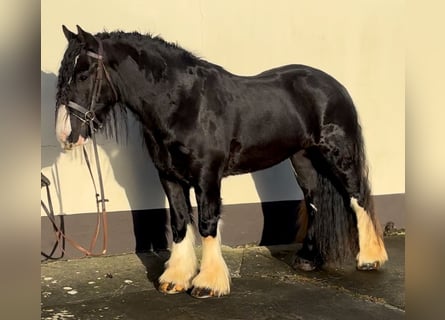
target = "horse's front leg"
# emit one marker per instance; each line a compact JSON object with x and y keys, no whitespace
{"x":182,"y":265}
{"x":213,"y":279}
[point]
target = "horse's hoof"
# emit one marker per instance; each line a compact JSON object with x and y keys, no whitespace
{"x":203,"y":293}
{"x":304,"y":264}
{"x":368,"y":266}
{"x":171,"y":288}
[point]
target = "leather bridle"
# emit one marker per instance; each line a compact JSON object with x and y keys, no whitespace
{"x":89,"y":118}
{"x":89,"y":115}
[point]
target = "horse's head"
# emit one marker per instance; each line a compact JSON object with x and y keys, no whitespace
{"x":85,"y":92}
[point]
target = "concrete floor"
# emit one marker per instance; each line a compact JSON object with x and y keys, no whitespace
{"x":264,"y":286}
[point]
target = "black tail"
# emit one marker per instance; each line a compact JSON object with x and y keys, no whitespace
{"x":361,"y":167}
{"x":334,"y":224}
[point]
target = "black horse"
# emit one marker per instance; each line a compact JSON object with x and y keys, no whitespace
{"x":202,"y":123}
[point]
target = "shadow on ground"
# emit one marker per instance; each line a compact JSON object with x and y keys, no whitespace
{"x":264,"y":286}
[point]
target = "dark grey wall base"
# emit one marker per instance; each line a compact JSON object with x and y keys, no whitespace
{"x":268,"y":223}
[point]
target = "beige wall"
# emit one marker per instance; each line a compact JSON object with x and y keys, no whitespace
{"x":358,"y":42}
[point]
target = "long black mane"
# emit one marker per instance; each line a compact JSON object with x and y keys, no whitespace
{"x":150,"y":42}
{"x":133,"y":44}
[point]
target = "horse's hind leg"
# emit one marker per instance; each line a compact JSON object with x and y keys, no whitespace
{"x":340,"y":212}
{"x":345,"y":158}
{"x":182,"y":265}
{"x":308,"y":257}
{"x":372,"y":252}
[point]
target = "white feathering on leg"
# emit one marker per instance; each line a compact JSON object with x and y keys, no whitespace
{"x":183,"y":264}
{"x":214,"y":273}
{"x":371,"y":245}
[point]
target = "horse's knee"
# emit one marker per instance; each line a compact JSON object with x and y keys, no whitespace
{"x":208,"y":226}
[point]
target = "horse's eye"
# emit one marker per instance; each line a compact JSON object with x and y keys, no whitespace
{"x":83,"y":76}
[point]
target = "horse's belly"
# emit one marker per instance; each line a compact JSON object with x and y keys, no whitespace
{"x":262,"y":156}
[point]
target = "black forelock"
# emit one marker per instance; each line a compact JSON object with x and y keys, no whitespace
{"x":66,"y":70}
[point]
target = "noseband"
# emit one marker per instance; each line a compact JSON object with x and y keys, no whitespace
{"x":89,"y":116}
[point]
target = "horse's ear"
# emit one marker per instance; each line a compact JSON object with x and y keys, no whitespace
{"x":88,"y":39}
{"x":68,"y":34}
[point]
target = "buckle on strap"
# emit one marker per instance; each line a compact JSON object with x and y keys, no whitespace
{"x":88,"y":115}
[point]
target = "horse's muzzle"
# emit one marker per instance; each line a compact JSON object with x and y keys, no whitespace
{"x":67,"y":145}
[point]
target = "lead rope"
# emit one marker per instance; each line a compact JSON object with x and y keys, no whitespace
{"x":102,"y":212}
{"x":100,"y":198}
{"x":101,"y":215}
{"x":60,"y":231}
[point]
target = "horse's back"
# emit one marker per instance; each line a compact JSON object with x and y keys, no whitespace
{"x":318,"y":99}
{"x":282,"y":111}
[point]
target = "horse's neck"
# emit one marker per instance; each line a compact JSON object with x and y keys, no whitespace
{"x":150,"y":101}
